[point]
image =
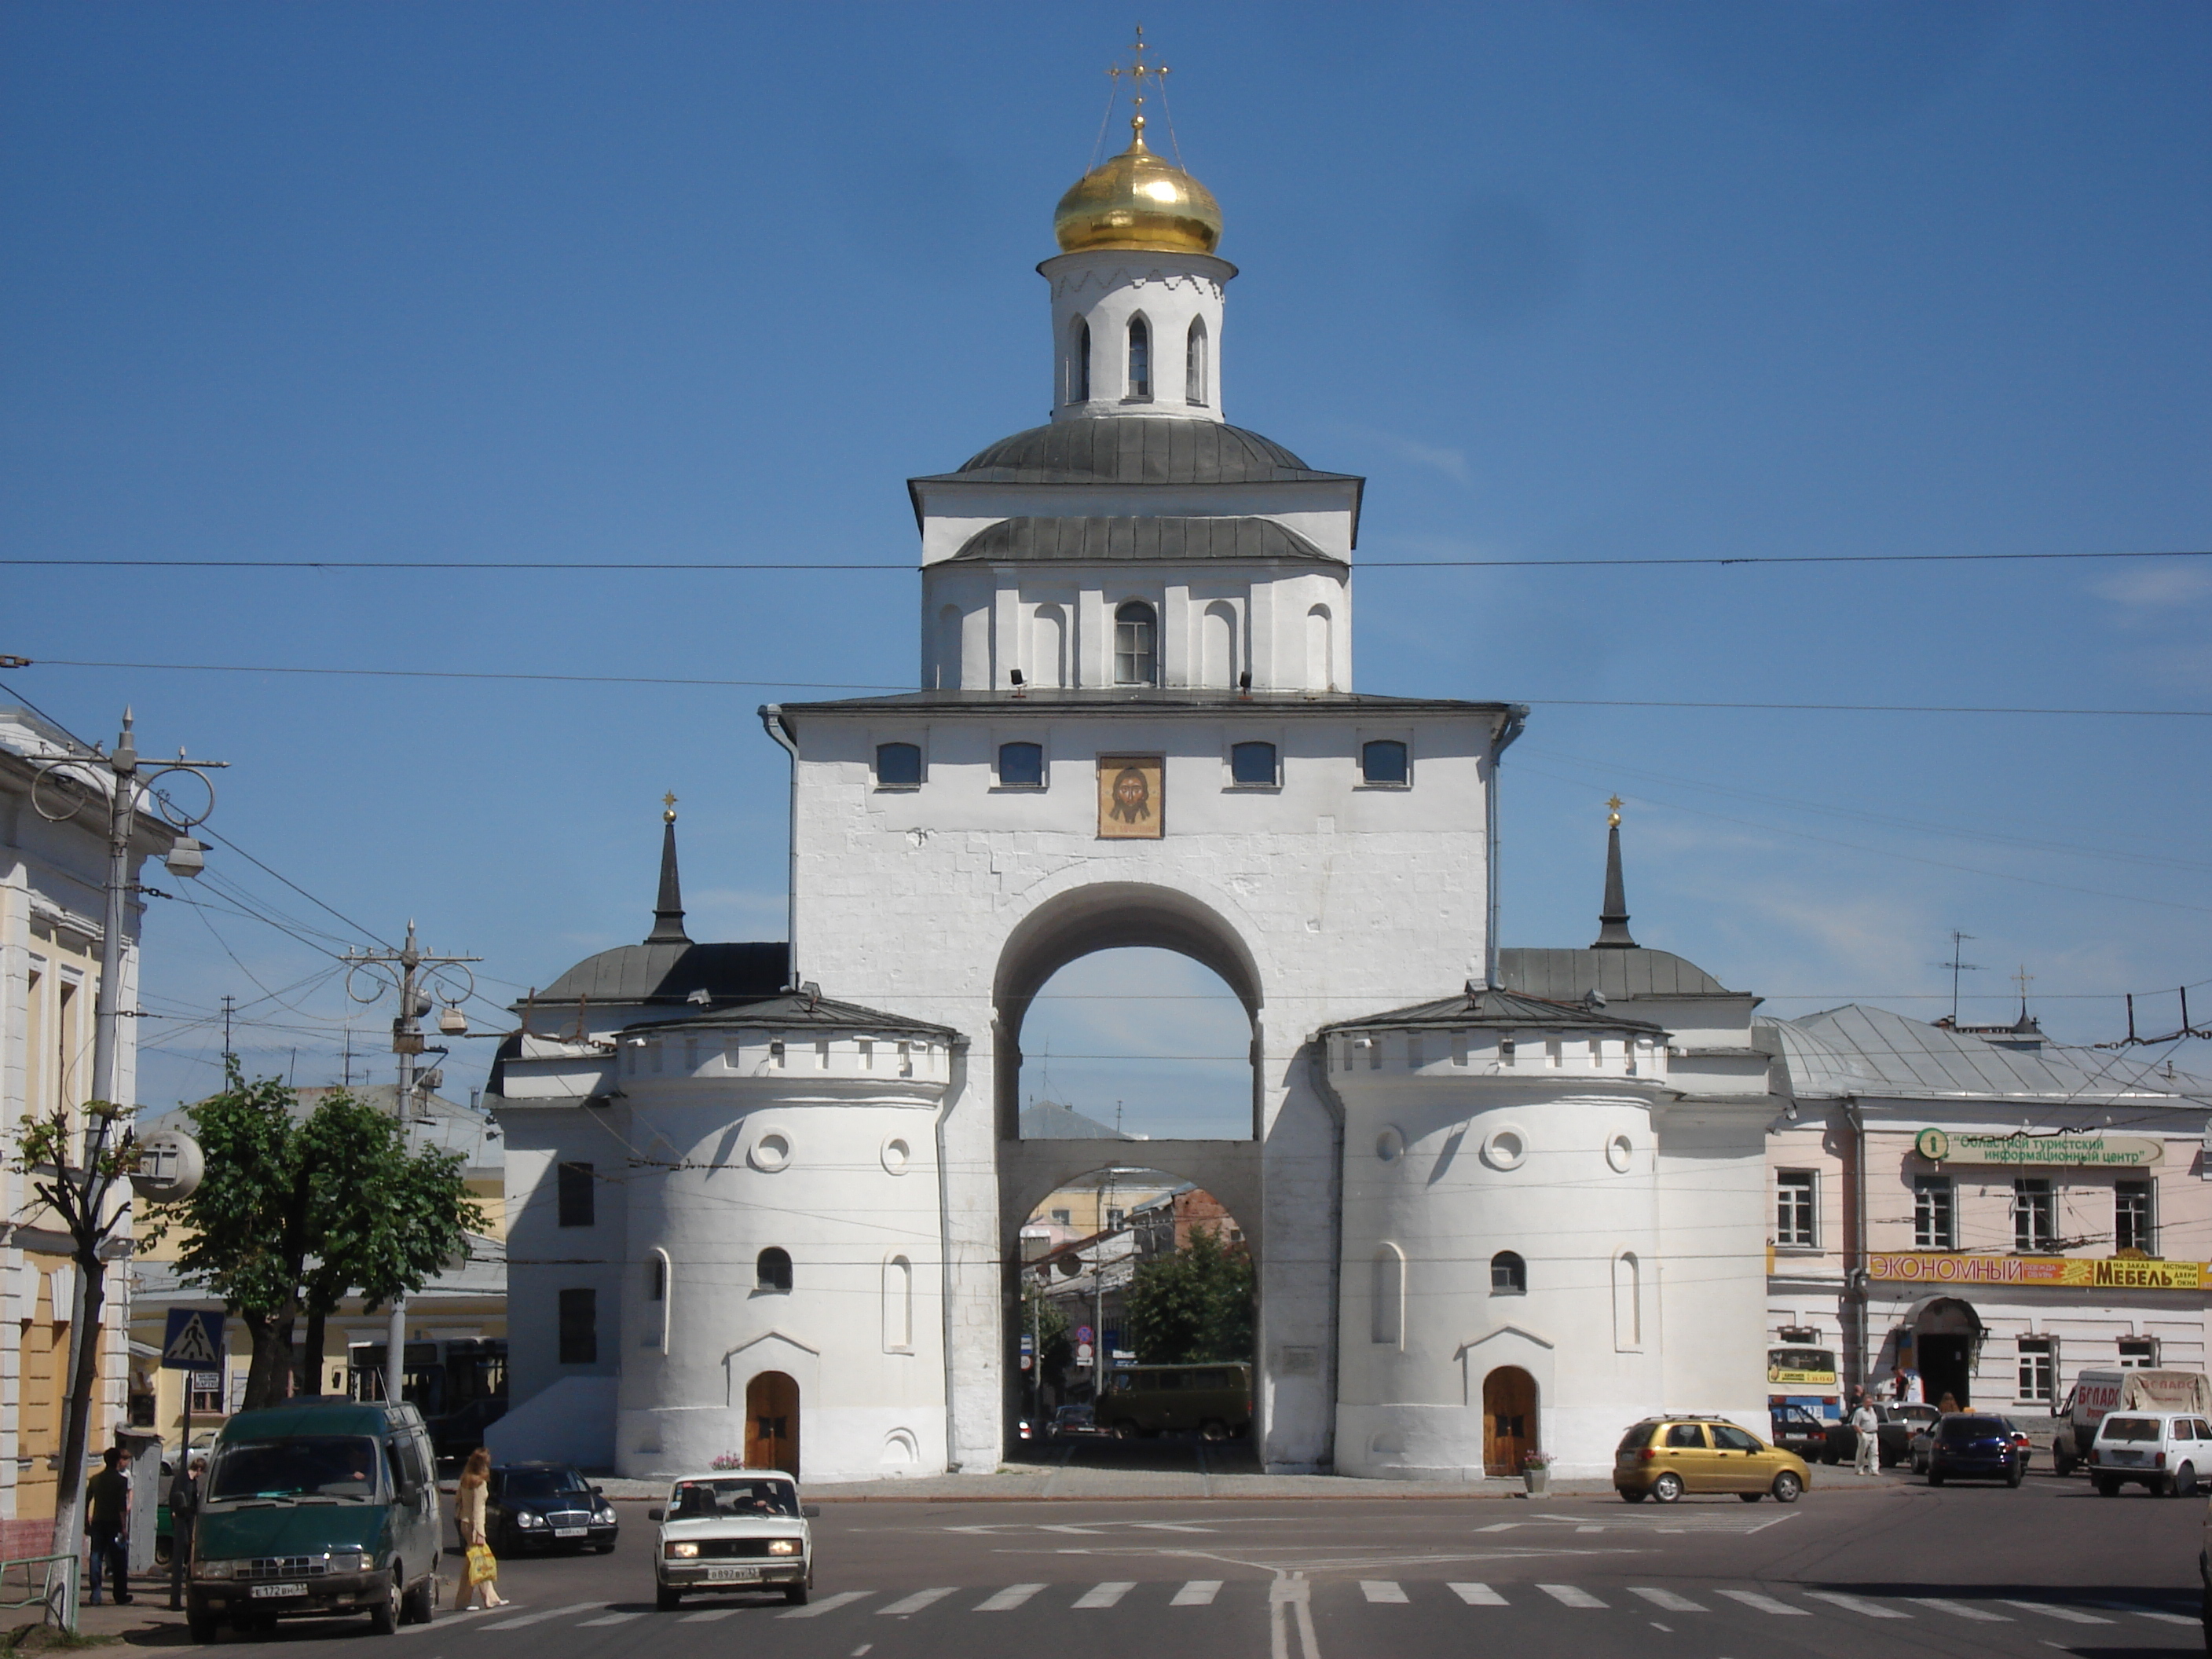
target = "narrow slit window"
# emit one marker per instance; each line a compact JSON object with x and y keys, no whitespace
{"x":1796,"y":1209}
{"x":1194,"y":365}
{"x":1079,"y":365}
{"x":578,"y":1196}
{"x":1141,"y":358}
{"x":580,"y":1326}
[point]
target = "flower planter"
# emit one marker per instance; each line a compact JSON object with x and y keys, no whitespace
{"x":1537,"y":1481}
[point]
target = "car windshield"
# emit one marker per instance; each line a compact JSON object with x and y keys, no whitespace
{"x":1968,"y":1428}
{"x":2130,"y":1428}
{"x":330,"y":1465}
{"x":1074,"y":1414}
{"x":699,"y":1500}
{"x":544,"y":1483}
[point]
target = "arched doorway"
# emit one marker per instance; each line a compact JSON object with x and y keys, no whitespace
{"x":1945,"y":1330}
{"x":1510,"y":1427}
{"x":772,"y":1423}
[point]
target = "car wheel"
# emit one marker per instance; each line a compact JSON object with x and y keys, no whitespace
{"x":1751,"y":1497}
{"x":796,"y":1594}
{"x":2185,"y":1481}
{"x":1667,"y":1487}
{"x":1214,"y":1429}
{"x":604,"y":1549}
{"x":420,"y":1605}
{"x":2106,"y":1486}
{"x":2018,"y":1474}
{"x":203,"y":1626}
{"x":1786,"y":1486}
{"x":1934,"y":1477}
{"x":2060,"y":1464}
{"x":384,"y":1618}
{"x":665,"y":1599}
{"x":1629,"y":1496}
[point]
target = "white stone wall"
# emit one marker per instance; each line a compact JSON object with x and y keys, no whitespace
{"x":1106,"y":288}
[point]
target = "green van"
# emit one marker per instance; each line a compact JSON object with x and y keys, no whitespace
{"x":1216,"y":1399}
{"x":317,"y":1508}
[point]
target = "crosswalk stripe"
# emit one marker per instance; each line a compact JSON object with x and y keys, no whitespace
{"x":2165,"y":1618}
{"x":1383,"y":1589}
{"x":2070,"y":1615}
{"x":1106,"y":1594}
{"x":828,"y":1603}
{"x":1478,"y":1595}
{"x":1667,"y":1599}
{"x":612,"y":1618}
{"x":1858,"y":1604}
{"x":549,"y":1612}
{"x":1499,"y":1525}
{"x":918,"y":1600}
{"x":1199,"y":1593}
{"x":1010,"y":1597}
{"x":1765,"y":1603}
{"x":707,"y":1616}
{"x":1568,"y":1595}
{"x":1960,"y":1609}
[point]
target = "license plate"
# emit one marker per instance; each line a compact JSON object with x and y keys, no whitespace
{"x":572,"y":1531}
{"x":733,"y":1575}
{"x":261,"y":1590}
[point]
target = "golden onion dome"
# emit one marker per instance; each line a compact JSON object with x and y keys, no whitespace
{"x":1136,"y":200}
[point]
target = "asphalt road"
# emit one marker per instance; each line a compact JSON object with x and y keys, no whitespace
{"x":1902,"y":1568}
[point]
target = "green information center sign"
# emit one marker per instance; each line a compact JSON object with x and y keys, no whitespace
{"x":2023,"y":1148}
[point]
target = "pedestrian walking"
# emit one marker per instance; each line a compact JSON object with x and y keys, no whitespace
{"x":107,"y":1520}
{"x":183,"y":1509}
{"x":1867,"y":1424}
{"x":480,"y":1570}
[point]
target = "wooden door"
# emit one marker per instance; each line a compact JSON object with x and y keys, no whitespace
{"x":1509,"y":1420}
{"x":772,"y":1423}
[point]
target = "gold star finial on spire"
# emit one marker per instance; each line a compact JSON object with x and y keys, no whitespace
{"x":668,"y":807}
{"x":1613,"y":813}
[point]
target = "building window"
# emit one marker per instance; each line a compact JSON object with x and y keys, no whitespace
{"x":2138,"y":1353}
{"x":898,"y":766}
{"x":1796,"y":1209}
{"x":1252,"y":765}
{"x":1141,"y":358}
{"x":1934,"y":1224}
{"x":2131,"y":1216}
{"x":1063,"y":1217}
{"x":1021,"y":766}
{"x":1387,"y":1320}
{"x":1079,"y":377}
{"x":579,"y":1207}
{"x":656,"y":1278}
{"x":1136,"y":629}
{"x":2038,"y":1367}
{"x":898,"y":1305}
{"x":579,"y":1328}
{"x":1509,"y":1274}
{"x":2034,"y":1215}
{"x":772,"y":1272}
{"x":1383,"y":762}
{"x":1194,"y":365}
{"x":1114,"y":1218}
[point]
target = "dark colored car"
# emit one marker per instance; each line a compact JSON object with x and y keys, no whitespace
{"x":457,"y":1433}
{"x":1074,"y":1423}
{"x":1795,"y":1429}
{"x":1892,"y":1439}
{"x":1973,"y":1446}
{"x":546,"y":1506}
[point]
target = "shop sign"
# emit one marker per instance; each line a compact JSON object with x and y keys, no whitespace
{"x":1931,"y":1267}
{"x":2019,"y":1147}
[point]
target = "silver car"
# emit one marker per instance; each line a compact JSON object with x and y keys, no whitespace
{"x":733,"y":1530}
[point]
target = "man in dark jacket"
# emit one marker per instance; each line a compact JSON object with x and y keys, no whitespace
{"x":107,"y":1517}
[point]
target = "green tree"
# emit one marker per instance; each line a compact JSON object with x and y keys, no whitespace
{"x":1193,"y":1307}
{"x":296,"y":1212}
{"x":1049,"y":1321}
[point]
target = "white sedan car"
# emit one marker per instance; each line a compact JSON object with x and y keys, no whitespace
{"x":733,"y":1530}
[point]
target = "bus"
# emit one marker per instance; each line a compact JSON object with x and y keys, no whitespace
{"x":1215,"y":1399}
{"x":1803,"y":1378}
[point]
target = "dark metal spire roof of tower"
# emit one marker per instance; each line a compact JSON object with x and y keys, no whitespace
{"x":668,"y":910}
{"x":1612,"y":933}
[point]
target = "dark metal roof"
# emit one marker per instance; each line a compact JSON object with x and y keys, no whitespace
{"x":1149,"y":449}
{"x":671,"y":972}
{"x":1171,"y":700}
{"x":1089,"y":541}
{"x":1614,"y":972}
{"x":1476,"y":1008}
{"x":797,"y":1011}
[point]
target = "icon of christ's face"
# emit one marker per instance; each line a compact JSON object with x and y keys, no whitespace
{"x":1132,"y":796}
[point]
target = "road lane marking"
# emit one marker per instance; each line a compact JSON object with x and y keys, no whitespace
{"x":1384,"y":1590}
{"x":1667,"y":1599}
{"x":612,"y":1618}
{"x":1199,"y":1593}
{"x":2069,"y":1614}
{"x":1008,"y":1599}
{"x":1858,"y":1604}
{"x":1568,"y":1596}
{"x":917,"y":1602}
{"x":1105,"y":1594}
{"x":2191,"y":1620}
{"x":1589,"y":1529}
{"x":1499,"y":1525}
{"x":709,"y":1616}
{"x":1763,"y":1603}
{"x":1960,"y":1609}
{"x":1092,"y":1532}
{"x":1479,"y":1595}
{"x":1171,"y":1526}
{"x":549,"y":1612}
{"x":816,"y":1609}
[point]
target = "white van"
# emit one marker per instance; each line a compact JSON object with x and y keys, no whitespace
{"x":2163,"y":1452}
{"x":2096,"y":1393}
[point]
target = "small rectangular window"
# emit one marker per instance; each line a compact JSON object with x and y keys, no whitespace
{"x":2037,"y":1367}
{"x":898,"y":766}
{"x":1933,"y":1224}
{"x":579,"y":1196}
{"x":1021,"y":766}
{"x":2034,"y":1216}
{"x":1796,"y":1210}
{"x":1064,"y":1218}
{"x":1252,"y":765}
{"x":2138,"y":1353}
{"x":2131,"y":1228}
{"x":579,"y":1328}
{"x":1383,"y":762}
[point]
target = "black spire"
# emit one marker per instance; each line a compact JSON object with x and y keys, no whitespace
{"x":668,"y":912}
{"x":1612,"y":929}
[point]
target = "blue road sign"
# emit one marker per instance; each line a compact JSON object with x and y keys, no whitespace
{"x":193,"y":1341}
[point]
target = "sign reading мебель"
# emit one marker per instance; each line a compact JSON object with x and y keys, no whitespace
{"x":1936,"y":1267}
{"x":2100,"y":1152}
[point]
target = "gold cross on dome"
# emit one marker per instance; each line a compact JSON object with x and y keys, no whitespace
{"x":668,"y":802}
{"x":1613,"y":813}
{"x":2023,"y":979}
{"x":1138,"y":70}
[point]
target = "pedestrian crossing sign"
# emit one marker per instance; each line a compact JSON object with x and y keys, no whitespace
{"x":193,"y":1341}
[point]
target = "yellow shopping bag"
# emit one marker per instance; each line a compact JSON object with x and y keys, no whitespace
{"x":484,"y":1565}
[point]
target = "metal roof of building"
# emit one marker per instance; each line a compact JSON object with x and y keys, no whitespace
{"x":1048,"y":1120}
{"x":1569,"y":975}
{"x":1039,"y":699}
{"x":1858,"y":1050}
{"x":798,"y":1010}
{"x":670,"y":972}
{"x":1479,"y":1007}
{"x":1097,"y":540}
{"x":1148,"y":449}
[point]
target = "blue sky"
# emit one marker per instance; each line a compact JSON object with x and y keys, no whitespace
{"x":1574,"y":281}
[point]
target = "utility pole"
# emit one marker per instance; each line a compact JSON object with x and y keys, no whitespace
{"x":406,"y":969}
{"x":228,"y":1002}
{"x":82,"y":1194}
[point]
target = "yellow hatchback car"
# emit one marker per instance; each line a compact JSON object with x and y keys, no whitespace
{"x":1663,"y":1457}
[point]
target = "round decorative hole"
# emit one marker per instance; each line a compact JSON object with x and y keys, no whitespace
{"x":896,"y":1155}
{"x":1505,"y":1149}
{"x":772,"y":1152}
{"x":1618,"y":1151}
{"x":1389,"y":1145}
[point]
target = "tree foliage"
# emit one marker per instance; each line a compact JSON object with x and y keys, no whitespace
{"x":296,"y":1212}
{"x":1047,"y":1320}
{"x":1193,"y":1307}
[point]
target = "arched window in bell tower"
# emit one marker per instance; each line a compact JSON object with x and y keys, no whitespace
{"x":1194,"y":364}
{"x":1079,"y":363}
{"x":1136,"y":629}
{"x":1141,"y":358}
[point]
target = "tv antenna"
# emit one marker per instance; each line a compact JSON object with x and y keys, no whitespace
{"x":1958,"y":965}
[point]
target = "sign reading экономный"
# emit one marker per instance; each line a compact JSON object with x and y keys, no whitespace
{"x":1938,"y":1267}
{"x":2094,"y":1150}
